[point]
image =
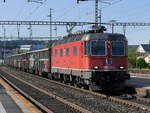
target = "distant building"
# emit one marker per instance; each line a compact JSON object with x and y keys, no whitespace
{"x":144,"y":52}
{"x":7,"y":51}
{"x":147,"y":58}
{"x":143,"y":48}
{"x":10,"y":47}
{"x":26,"y":48}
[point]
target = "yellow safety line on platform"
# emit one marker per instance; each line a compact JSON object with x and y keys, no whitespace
{"x":16,"y":96}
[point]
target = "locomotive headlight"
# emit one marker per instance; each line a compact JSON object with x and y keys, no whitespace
{"x":95,"y":67}
{"x":121,"y":67}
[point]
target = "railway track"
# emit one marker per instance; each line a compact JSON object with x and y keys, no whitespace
{"x":85,"y":101}
{"x":135,"y":99}
{"x":47,"y":102}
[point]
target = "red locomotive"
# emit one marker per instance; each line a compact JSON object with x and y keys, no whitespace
{"x":94,"y":59}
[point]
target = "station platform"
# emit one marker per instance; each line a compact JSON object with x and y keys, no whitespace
{"x":140,"y":84}
{"x":12,"y":102}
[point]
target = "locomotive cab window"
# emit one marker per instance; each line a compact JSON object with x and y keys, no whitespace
{"x":67,"y":51}
{"x":74,"y":50}
{"x":118,"y":48}
{"x":98,"y":47}
{"x":56,"y":52}
{"x":87,"y":48}
{"x":61,"y":52}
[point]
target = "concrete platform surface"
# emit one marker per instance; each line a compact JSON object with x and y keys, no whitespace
{"x":140,"y":75}
{"x":12,"y":102}
{"x":141,"y":85}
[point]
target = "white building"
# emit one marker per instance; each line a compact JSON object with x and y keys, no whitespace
{"x":25,"y":48}
{"x":144,"y":52}
{"x":143,"y":48}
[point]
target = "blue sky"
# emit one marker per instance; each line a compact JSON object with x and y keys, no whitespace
{"x":69,"y":10}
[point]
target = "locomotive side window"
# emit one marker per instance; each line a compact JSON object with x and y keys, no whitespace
{"x":87,"y":48}
{"x":67,"y":51}
{"x":74,"y":50}
{"x":61,"y":52}
{"x":98,"y":47}
{"x":118,"y":48}
{"x":56,"y":52}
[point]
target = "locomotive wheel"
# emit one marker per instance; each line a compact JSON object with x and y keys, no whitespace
{"x":49,"y":76}
{"x":90,"y":88}
{"x":75,"y":85}
{"x":86,"y":87}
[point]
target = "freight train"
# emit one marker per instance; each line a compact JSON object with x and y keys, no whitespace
{"x":93,"y":60}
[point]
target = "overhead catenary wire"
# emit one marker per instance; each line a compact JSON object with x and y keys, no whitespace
{"x":20,"y":11}
{"x":66,"y":12}
{"x":30,"y":14}
{"x":111,"y":2}
{"x":36,"y":9}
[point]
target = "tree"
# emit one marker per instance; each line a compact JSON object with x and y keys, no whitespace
{"x":48,"y":44}
{"x":132,"y":57}
{"x":141,"y":63}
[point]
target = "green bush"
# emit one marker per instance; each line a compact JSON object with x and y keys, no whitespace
{"x":141,"y":63}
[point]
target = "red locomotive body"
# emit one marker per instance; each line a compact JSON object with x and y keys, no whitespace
{"x":94,"y":59}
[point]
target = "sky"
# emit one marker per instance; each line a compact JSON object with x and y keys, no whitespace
{"x":69,"y":10}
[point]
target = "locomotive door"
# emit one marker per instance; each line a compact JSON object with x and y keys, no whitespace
{"x":81,"y":60}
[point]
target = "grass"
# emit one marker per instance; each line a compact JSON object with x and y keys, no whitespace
{"x":143,"y":69}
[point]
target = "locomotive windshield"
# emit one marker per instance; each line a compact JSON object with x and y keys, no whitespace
{"x":118,"y":48}
{"x":98,"y":47}
{"x":95,"y":47}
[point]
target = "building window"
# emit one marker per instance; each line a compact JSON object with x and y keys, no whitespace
{"x":75,"y":51}
{"x":67,"y":51}
{"x":61,"y":52}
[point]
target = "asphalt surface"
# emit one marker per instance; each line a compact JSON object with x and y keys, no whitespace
{"x":139,"y":82}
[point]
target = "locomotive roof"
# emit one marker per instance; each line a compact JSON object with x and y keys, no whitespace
{"x":45,"y":49}
{"x":90,"y":36}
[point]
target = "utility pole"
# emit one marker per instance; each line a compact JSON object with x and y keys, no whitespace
{"x":50,"y":19}
{"x":4,"y":37}
{"x":55,"y":30}
{"x":50,"y":26}
{"x":100,"y":17}
{"x":124,"y":30}
{"x":96,"y":10}
{"x":96,"y":13}
{"x":30,"y":31}
{"x":112,"y":28}
{"x":4,"y":42}
{"x":18,"y":31}
{"x":112,"y":22}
